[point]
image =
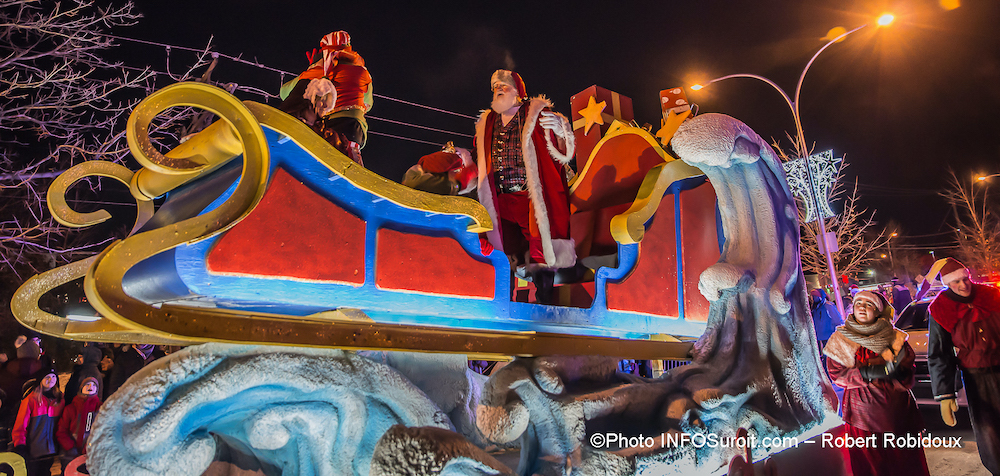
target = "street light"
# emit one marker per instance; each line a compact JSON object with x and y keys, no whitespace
{"x":983,"y":178}
{"x":793,"y":105}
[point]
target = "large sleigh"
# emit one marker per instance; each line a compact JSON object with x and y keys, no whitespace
{"x":270,"y":235}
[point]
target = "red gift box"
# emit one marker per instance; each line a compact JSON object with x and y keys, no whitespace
{"x":615,"y":107}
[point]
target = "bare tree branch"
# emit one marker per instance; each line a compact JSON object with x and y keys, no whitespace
{"x":976,"y":223}
{"x":62,"y":101}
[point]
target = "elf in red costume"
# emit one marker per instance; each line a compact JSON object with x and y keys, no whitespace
{"x":333,"y":95}
{"x":522,"y":149}
{"x":964,"y":333}
{"x":449,"y":171}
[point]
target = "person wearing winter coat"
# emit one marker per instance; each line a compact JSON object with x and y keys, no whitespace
{"x":13,"y":376}
{"x":130,"y":361}
{"x":826,"y":317}
{"x":964,"y":337}
{"x":77,"y":420}
{"x":90,"y":362}
{"x":873,"y":362}
{"x":34,"y":433}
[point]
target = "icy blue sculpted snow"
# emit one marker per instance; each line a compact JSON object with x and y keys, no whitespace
{"x":756,"y":366}
{"x":309,"y":411}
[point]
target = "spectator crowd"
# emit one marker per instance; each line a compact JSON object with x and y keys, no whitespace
{"x":47,"y":419}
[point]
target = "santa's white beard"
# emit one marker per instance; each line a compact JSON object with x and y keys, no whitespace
{"x":503,"y":103}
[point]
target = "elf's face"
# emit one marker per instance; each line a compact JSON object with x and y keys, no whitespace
{"x":961,"y":286}
{"x":89,"y":388}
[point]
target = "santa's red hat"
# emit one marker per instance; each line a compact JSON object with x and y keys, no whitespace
{"x":511,"y":79}
{"x":953,"y":270}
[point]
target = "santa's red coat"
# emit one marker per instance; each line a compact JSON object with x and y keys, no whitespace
{"x":545,"y":183}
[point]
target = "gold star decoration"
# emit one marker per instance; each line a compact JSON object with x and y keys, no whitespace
{"x":669,"y":125}
{"x":592,"y":114}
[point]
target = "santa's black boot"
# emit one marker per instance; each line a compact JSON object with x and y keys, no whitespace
{"x":544,"y":292}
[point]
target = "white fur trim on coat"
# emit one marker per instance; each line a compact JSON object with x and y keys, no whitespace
{"x":484,"y":191}
{"x":565,"y":251}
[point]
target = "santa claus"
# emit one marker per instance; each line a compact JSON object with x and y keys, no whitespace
{"x":523,"y":148}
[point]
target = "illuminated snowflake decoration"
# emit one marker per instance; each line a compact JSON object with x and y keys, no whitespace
{"x":823,"y":167}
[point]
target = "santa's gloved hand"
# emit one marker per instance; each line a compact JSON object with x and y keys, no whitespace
{"x":948,"y":408}
{"x":555,"y":123}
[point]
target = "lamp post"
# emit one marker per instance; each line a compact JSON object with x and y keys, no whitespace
{"x":793,"y":105}
{"x":888,"y":244}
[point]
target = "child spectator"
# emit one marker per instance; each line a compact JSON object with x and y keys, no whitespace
{"x":77,"y":418}
{"x":34,"y":432}
{"x":873,"y":362}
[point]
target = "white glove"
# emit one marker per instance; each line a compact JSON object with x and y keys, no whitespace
{"x":555,"y":123}
{"x":322,"y":94}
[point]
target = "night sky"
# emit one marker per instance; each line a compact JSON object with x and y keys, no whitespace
{"x":903,"y":103}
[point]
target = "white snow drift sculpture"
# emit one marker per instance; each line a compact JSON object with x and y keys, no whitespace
{"x":755,"y":367}
{"x":307,"y":411}
{"x":447,"y":381}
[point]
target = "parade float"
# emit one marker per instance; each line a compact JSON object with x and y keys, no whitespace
{"x":336,"y":308}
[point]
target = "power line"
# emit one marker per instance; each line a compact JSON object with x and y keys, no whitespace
{"x":368,"y":116}
{"x":257,"y":64}
{"x":404,"y":138}
{"x":425,"y":107}
{"x":929,"y":234}
{"x":883,"y":187}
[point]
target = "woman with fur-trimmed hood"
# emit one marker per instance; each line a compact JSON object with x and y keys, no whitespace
{"x":522,"y":150}
{"x":873,"y":362}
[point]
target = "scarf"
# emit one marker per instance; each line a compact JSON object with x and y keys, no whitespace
{"x":875,"y":337}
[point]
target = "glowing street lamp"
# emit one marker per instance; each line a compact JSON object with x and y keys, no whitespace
{"x":793,"y":105}
{"x":983,"y":178}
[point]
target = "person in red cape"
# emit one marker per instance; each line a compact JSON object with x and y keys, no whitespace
{"x":873,"y":362}
{"x":522,"y":150}
{"x":333,"y":94}
{"x":964,"y":333}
